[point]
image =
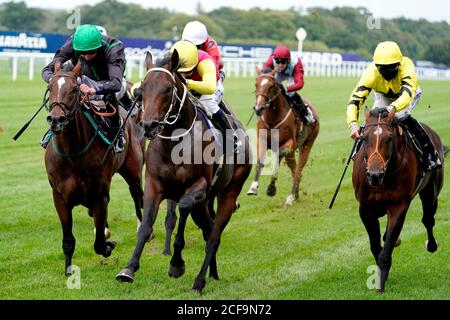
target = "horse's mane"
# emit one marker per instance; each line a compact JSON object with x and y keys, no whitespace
{"x":379,"y":111}
{"x":163,"y":59}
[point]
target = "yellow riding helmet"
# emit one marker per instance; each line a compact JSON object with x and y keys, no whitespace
{"x":387,"y":52}
{"x":188,"y":53}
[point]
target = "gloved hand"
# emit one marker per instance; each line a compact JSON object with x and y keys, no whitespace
{"x":390,"y":108}
{"x":354,"y":131}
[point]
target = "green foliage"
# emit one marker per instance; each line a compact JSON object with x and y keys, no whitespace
{"x":17,"y":16}
{"x":342,"y":29}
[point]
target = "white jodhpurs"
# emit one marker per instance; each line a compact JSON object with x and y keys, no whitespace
{"x":382,"y":102}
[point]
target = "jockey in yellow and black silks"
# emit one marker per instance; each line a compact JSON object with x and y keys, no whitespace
{"x":393,"y":79}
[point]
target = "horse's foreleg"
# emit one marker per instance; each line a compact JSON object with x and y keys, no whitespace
{"x":203,"y":219}
{"x":261,"y":152}
{"x":226,"y":206}
{"x":302,"y":160}
{"x":429,"y":206}
{"x":397,"y":216}
{"x":372,"y":225}
{"x":169,"y":223}
{"x":68,"y":242}
{"x":177,"y":267}
{"x":152,"y":200}
{"x":131,"y":172}
{"x":290,"y":161}
{"x":278,"y":157}
{"x":193,"y":197}
{"x":100,"y":210}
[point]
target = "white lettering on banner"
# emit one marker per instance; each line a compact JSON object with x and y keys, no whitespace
{"x":326,"y":58}
{"x":241,"y":52}
{"x":23,"y":41}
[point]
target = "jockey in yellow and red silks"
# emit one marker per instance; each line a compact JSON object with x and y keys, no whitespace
{"x":392,"y":76}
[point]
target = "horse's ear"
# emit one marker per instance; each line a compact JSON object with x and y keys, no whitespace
{"x":77,"y":68}
{"x":391,"y":115}
{"x":148,"y":60}
{"x":274,"y":71}
{"x":258,"y":71}
{"x":57,"y":66}
{"x":367,"y":114}
{"x":174,"y":60}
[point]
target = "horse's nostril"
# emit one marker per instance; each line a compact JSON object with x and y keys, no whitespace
{"x":49,"y":120}
{"x":61,"y":120}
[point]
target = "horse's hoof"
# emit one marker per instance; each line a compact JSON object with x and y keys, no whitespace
{"x":176,"y":272}
{"x":253,"y":190}
{"x":289,"y":201}
{"x":199,"y":285}
{"x":167,"y":252}
{"x":431,"y":246}
{"x":271,"y":190}
{"x":126,"y":275}
{"x":110,"y":245}
{"x":68,"y":271}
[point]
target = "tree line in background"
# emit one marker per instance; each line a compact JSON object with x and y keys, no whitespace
{"x":342,"y":29}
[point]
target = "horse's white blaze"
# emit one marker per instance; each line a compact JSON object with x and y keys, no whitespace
{"x":264,"y":82}
{"x":258,"y":100}
{"x":61,"y":82}
{"x":378,"y":131}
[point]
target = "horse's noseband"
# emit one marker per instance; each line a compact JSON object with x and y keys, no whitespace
{"x":69,"y":113}
{"x":269,"y":100}
{"x":376,"y":152}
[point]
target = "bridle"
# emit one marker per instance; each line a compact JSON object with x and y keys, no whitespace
{"x":69,"y":113}
{"x":377,"y":152}
{"x":269,"y":100}
{"x":168,"y":118}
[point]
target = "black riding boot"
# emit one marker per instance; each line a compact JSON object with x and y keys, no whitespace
{"x":116,"y":122}
{"x":126,"y":101}
{"x":221,"y":121}
{"x":302,"y":109}
{"x":430,"y":157}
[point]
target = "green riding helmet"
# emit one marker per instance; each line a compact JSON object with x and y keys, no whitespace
{"x":87,"y":38}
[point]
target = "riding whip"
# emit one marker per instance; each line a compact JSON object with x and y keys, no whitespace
{"x":345,"y":170}
{"x":118,"y":132}
{"x":251,"y":117}
{"x":25,"y":126}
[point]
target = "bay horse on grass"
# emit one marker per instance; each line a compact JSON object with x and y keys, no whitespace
{"x":277,"y":122}
{"x":73,"y":160}
{"x":386,"y":177}
{"x":169,"y":114}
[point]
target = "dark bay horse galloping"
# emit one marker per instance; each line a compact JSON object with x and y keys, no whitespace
{"x":73,"y":160}
{"x":386,"y":177}
{"x":170,"y":114}
{"x":278,"y":124}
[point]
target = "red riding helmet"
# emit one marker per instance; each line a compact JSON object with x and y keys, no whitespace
{"x":282,"y":52}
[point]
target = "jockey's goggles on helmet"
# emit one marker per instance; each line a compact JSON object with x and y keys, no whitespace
{"x":90,"y":52}
{"x":388,"y":67}
{"x":281,"y":61}
{"x":388,"y":71}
